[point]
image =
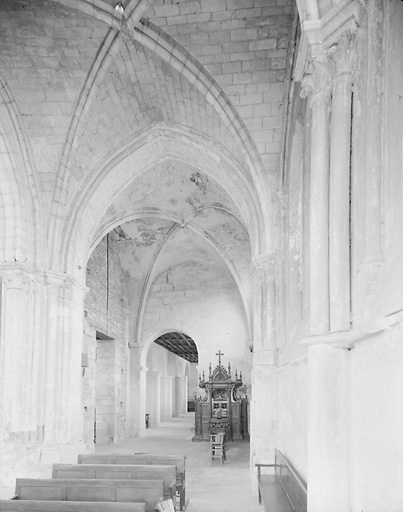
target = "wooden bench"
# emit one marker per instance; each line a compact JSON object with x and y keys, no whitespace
{"x":68,"y":506}
{"x":149,"y":492}
{"x":127,"y":472}
{"x":179,"y":461}
{"x":283,"y":491}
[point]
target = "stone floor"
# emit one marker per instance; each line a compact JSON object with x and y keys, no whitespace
{"x":209,"y":487}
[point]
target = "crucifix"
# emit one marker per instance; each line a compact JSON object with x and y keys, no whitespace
{"x":219,"y":354}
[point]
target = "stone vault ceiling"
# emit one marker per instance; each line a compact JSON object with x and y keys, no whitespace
{"x":184,"y":216}
{"x":92,"y":91}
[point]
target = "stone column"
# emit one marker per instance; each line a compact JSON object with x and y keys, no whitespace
{"x":264,"y":373}
{"x":328,"y":429}
{"x":155,"y":406}
{"x":181,"y":395}
{"x":373,"y":135}
{"x":135,"y":389}
{"x":316,"y":85}
{"x":71,"y":386}
{"x":368,"y":227}
{"x":63,"y":414}
{"x":15,"y":355}
{"x":265,"y":276}
{"x":343,"y":57}
{"x":166,"y":398}
{"x":40,"y":374}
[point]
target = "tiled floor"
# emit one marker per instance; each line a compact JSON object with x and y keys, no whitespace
{"x":209,"y":487}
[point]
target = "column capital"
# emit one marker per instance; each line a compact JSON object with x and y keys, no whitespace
{"x":343,"y":54}
{"x":317,"y":80}
{"x":265,"y":266}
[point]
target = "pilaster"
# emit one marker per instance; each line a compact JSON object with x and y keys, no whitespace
{"x":317,"y":86}
{"x":181,"y":395}
{"x":136,"y":389}
{"x":40,"y":374}
{"x":265,"y":275}
{"x":343,"y":57}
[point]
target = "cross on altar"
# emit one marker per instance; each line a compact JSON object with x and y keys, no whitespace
{"x":219,"y":354}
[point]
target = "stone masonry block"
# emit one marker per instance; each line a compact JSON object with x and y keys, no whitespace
{"x":212,"y":49}
{"x":251,"y":99}
{"x":242,"y":78}
{"x":262,"y":110}
{"x":242,"y":56}
{"x":222,"y":15}
{"x":199,"y":37}
{"x":255,"y":65}
{"x":239,"y":4}
{"x":254,"y":123}
{"x":213,"y":5}
{"x":231,"y":67}
{"x":249,"y":13}
{"x":235,"y":89}
{"x":276,"y":108}
{"x":177,"y":20}
{"x":165,"y":10}
{"x":215,"y":69}
{"x":211,"y":26}
{"x":251,"y":89}
{"x":264,"y":44}
{"x":265,"y":3}
{"x":272,"y":10}
{"x":244,"y":35}
{"x":190,"y":7}
{"x":219,"y":37}
{"x":240,"y":47}
{"x":262,"y":135}
{"x":224,"y":80}
{"x":198,"y":18}
{"x":233,"y":24}
{"x":246,"y":111}
{"x":264,"y":76}
{"x":277,"y":134}
{"x":272,"y":122}
{"x":278,"y":63}
{"x":50,"y":108}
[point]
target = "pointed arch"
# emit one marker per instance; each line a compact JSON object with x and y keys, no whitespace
{"x":21,"y":230}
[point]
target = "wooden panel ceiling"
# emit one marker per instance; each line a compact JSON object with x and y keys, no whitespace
{"x":179,"y":344}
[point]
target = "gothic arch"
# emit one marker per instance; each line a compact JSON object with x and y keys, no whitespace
{"x":125,"y":166}
{"x":20,"y":218}
{"x":175,"y":56}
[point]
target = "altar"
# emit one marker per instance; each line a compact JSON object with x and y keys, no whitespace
{"x":221,"y":410}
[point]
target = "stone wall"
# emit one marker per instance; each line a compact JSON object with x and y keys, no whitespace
{"x":106,"y":313}
{"x":209,"y":311}
{"x":243,"y":44}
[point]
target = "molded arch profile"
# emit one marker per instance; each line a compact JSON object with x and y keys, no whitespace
{"x":120,"y":170}
{"x":151,"y":274}
{"x":21,"y":228}
{"x":169,"y":50}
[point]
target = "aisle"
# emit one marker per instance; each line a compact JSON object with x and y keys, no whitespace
{"x":209,"y":488}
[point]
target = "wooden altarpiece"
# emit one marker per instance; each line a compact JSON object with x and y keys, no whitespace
{"x":221,"y":410}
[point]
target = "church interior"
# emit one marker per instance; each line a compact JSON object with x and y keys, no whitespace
{"x":201,"y":207}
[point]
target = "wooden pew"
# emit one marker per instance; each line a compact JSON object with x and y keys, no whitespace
{"x":149,"y":492}
{"x":68,"y":506}
{"x":127,"y":472}
{"x":144,"y":458}
{"x":283,"y":491}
